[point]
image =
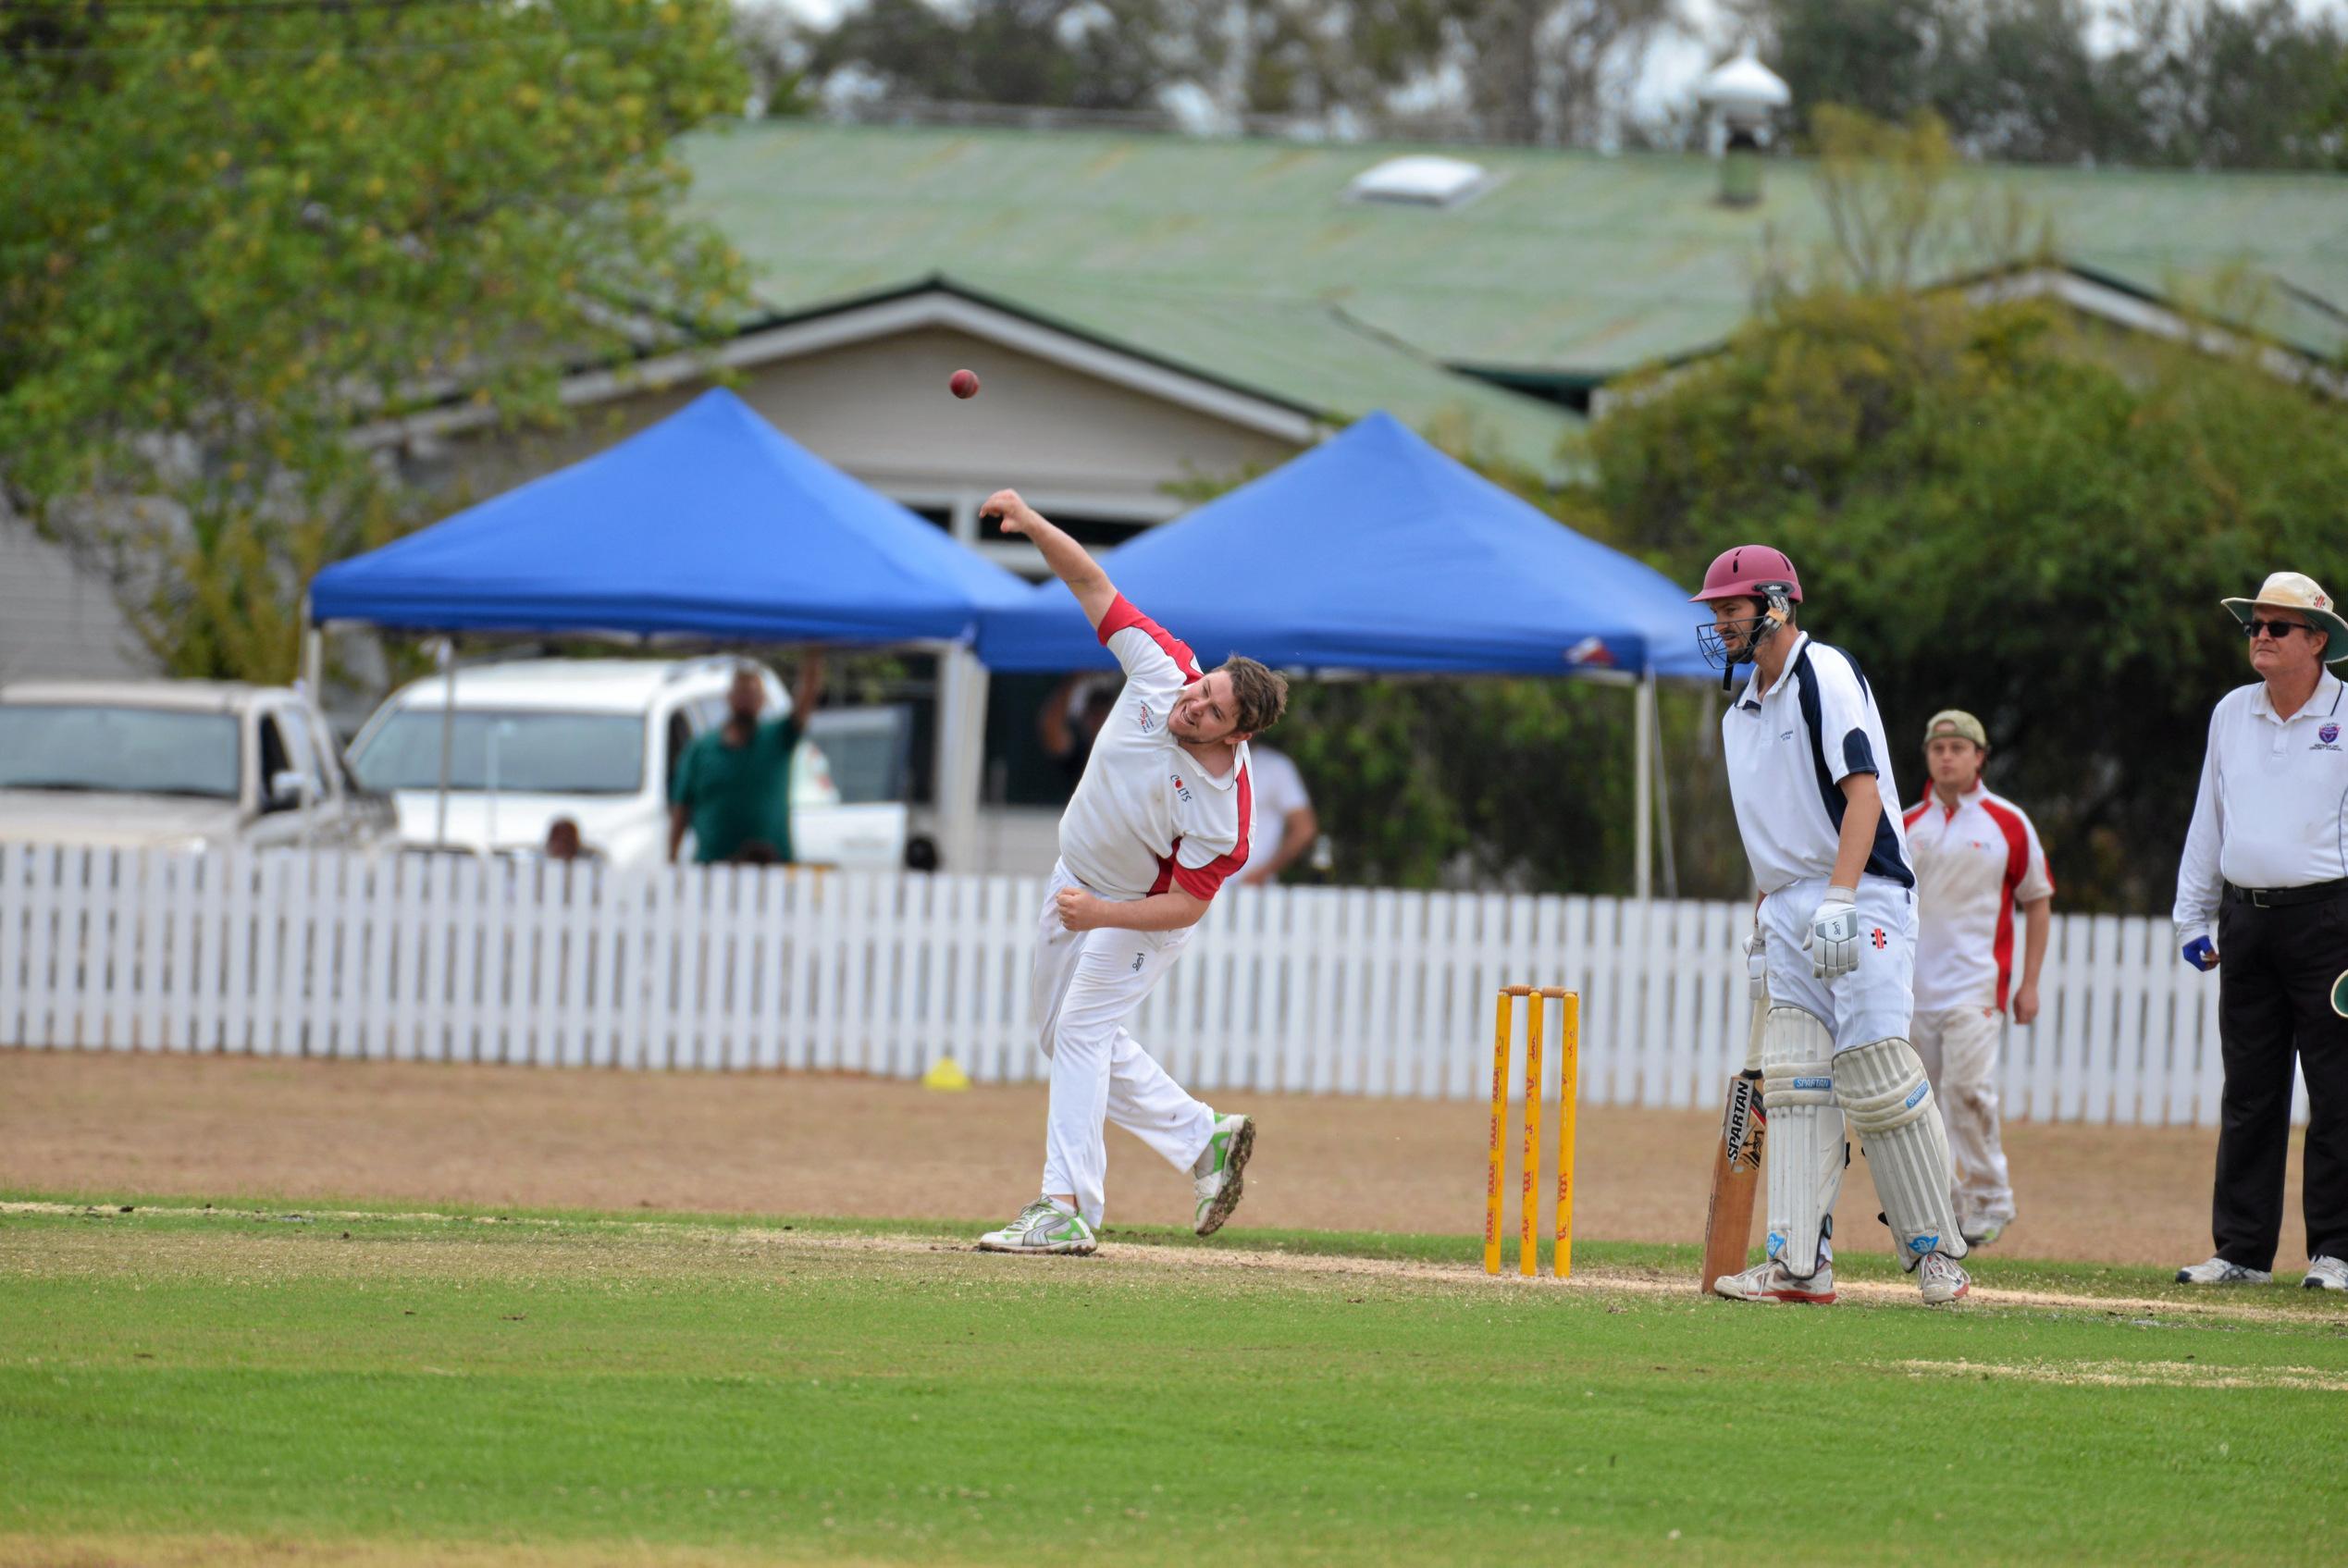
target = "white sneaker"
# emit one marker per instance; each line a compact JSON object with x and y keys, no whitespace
{"x":2218,"y":1271}
{"x":1216,"y":1175}
{"x":1769,"y":1281}
{"x":2326,"y":1274}
{"x":1941,"y":1280}
{"x":1041,"y":1228}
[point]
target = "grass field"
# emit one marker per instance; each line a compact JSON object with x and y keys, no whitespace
{"x":252,"y":1384}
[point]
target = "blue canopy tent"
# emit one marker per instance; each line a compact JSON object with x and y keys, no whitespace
{"x":710,"y":526}
{"x":1374,"y":551}
{"x":712,"y":523}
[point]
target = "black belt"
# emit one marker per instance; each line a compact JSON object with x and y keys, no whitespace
{"x":2289,"y":897}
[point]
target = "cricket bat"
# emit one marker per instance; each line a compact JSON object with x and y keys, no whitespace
{"x":1736,"y":1162}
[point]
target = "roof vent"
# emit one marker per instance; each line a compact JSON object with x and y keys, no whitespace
{"x":1741,"y":100}
{"x":1421,"y":180}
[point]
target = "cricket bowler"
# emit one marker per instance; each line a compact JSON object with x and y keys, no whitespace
{"x":1159,"y":822}
{"x":1809,"y":773}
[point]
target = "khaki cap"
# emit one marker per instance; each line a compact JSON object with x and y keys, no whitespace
{"x":1956,"y":722}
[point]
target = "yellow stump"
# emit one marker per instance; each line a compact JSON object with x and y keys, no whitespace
{"x":1569,"y":1051}
{"x":1528,"y":1260}
{"x":1503,"y":1021}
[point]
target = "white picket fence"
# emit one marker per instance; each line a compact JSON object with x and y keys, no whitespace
{"x":1336,"y":990}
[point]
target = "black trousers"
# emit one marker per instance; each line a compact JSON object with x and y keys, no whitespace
{"x":2275,"y":970}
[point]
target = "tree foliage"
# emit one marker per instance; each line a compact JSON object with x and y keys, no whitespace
{"x":1510,"y":70}
{"x":232,"y":237}
{"x":2160,"y":83}
{"x":1995,"y":510}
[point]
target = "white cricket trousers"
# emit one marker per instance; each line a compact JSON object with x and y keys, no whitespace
{"x":1086,"y":984}
{"x":1961,"y":1047}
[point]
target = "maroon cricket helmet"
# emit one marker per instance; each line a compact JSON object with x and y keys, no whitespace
{"x":1749,"y":571}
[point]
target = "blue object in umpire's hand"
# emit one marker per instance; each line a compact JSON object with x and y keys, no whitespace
{"x":2201,"y":953}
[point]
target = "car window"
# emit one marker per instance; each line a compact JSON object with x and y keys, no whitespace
{"x":538,"y":752}
{"x":275,"y":758}
{"x":98,"y":746}
{"x":680,"y":736}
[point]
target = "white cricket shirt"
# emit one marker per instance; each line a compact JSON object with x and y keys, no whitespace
{"x":1280,"y":789}
{"x":2272,"y":810}
{"x":1788,"y":750}
{"x":1146,"y":816}
{"x":1974,"y":861}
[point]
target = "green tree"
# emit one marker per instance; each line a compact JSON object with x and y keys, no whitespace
{"x":1995,"y":510}
{"x":2180,"y":83}
{"x":236,"y":240}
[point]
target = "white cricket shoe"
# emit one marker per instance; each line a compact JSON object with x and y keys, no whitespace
{"x":2218,"y":1271}
{"x":1042,"y":1230}
{"x":1216,"y":1175}
{"x":1942,"y":1282}
{"x":2326,"y":1274}
{"x":1770,"y":1281}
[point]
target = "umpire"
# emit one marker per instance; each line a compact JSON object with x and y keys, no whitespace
{"x":2265,"y":857}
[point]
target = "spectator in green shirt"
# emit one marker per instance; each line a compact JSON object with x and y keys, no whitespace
{"x":732,"y":786}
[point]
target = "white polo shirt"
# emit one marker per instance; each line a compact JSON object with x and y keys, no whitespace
{"x":2272,"y":810}
{"x":1146,"y":816}
{"x":1974,"y":861}
{"x":1788,"y":750}
{"x":1280,"y":789}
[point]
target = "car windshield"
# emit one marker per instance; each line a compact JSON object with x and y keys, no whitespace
{"x":531,"y":753}
{"x":77,"y":746}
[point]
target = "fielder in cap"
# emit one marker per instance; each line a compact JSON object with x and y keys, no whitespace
{"x":1978,"y":859}
{"x":1810,"y":772}
{"x":2264,"y":860}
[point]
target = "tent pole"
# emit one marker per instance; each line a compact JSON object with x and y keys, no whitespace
{"x":448,"y":739}
{"x":1663,"y":804}
{"x":961,"y":756}
{"x":313,"y":654}
{"x":1643,"y":786}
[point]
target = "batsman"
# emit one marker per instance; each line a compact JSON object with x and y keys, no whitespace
{"x":1809,"y":773}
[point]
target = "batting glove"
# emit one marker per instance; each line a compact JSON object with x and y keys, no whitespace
{"x":1756,"y":964}
{"x":2202,"y":954}
{"x":1833,"y":937}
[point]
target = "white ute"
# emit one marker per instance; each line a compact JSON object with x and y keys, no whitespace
{"x":176,"y":765}
{"x":595,"y":740}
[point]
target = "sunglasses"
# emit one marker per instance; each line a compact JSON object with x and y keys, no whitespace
{"x":2279,"y":630}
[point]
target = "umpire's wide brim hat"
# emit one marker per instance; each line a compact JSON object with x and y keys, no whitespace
{"x":2296,"y":590}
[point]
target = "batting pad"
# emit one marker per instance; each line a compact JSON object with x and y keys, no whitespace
{"x":1804,"y":1154}
{"x":1890,"y":1104}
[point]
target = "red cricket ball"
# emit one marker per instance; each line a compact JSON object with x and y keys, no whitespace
{"x":964,"y":384}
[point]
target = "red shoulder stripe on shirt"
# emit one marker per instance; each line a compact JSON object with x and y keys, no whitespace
{"x":1121,"y":615}
{"x":1915,"y":811}
{"x":2008,"y":822}
{"x":1206,"y":881}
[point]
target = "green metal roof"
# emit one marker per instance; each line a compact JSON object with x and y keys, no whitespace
{"x":1246,"y":259}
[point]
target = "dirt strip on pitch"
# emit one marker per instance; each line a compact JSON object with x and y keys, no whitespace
{"x":795,"y":1144}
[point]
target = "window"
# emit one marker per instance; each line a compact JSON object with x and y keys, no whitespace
{"x":1421,"y":180}
{"x":680,"y":736}
{"x":132,"y":750}
{"x":536,"y":753}
{"x":275,"y":759}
